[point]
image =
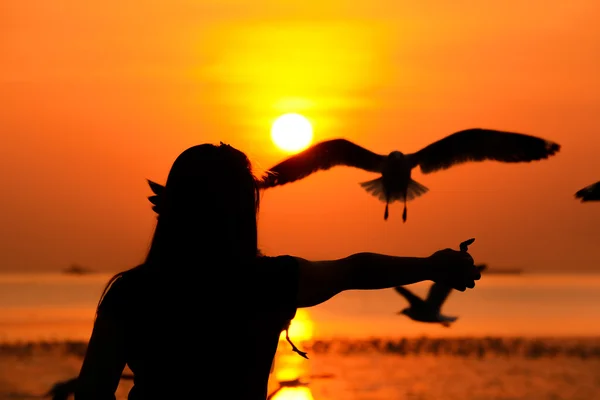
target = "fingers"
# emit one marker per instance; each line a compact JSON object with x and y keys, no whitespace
{"x":464,"y":246}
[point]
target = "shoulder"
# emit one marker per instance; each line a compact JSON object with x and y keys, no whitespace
{"x":277,"y":261}
{"x":283,"y":266}
{"x":120,"y":288}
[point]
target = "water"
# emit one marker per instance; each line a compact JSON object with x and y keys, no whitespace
{"x":546,"y":326}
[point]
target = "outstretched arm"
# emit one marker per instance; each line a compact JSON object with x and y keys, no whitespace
{"x":321,"y":280}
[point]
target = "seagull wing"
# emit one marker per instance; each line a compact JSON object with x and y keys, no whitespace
{"x":408,"y":295}
{"x":482,"y":144}
{"x":322,"y":156}
{"x":589,"y":193}
{"x":438,"y":293}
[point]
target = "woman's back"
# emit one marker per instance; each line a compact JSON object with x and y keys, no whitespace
{"x":182,"y":337}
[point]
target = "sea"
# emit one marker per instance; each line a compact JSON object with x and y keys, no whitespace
{"x":523,"y":336}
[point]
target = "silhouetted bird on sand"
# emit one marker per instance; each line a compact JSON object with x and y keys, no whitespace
{"x":429,"y":310}
{"x":589,"y":193}
{"x":395,"y":183}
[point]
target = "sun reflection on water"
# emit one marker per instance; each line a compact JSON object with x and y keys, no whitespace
{"x":293,"y":393}
{"x":301,"y":328}
{"x":290,"y":372}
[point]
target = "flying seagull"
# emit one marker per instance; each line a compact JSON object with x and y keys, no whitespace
{"x":395,"y":182}
{"x":429,"y":310}
{"x":589,"y":193}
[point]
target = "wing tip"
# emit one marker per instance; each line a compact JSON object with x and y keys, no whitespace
{"x":583,"y":195}
{"x":588,"y":193}
{"x":552,"y":147}
{"x":269,"y":179}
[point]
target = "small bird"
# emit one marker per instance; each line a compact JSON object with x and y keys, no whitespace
{"x":589,"y":193}
{"x":429,"y":310}
{"x":395,"y":182}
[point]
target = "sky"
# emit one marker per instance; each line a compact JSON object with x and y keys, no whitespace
{"x":98,"y":96}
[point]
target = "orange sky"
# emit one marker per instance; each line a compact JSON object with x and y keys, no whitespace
{"x":97,"y":96}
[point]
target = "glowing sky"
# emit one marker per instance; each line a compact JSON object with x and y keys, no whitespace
{"x":97,"y":96}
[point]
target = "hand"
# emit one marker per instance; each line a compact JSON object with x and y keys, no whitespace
{"x":454,"y":268}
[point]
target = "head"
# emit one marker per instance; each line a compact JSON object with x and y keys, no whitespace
{"x":206,"y":212}
{"x":207,"y":208}
{"x":396,"y":155}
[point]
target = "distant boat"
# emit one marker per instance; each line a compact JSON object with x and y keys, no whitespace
{"x":77,"y":270}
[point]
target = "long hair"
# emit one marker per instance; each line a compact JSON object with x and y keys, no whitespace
{"x":207,"y":214}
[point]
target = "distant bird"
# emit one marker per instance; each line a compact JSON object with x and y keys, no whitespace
{"x":395,"y":183}
{"x":589,"y":193}
{"x":429,"y":310}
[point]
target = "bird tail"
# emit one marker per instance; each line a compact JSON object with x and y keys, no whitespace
{"x":415,"y":189}
{"x":447,"y":320}
{"x":375,"y":187}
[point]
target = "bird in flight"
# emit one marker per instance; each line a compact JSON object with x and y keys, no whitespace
{"x":589,"y":193}
{"x":429,"y":310}
{"x":395,"y":182}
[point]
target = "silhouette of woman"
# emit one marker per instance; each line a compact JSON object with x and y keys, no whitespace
{"x":205,"y":299}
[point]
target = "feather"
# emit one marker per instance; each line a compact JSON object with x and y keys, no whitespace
{"x":320,"y":157}
{"x":472,"y":145}
{"x":589,"y":193}
{"x":438,"y":293}
{"x":156,"y":188}
{"x":408,"y":295}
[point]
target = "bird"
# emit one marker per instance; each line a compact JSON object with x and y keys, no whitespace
{"x":429,"y":310}
{"x":589,"y":193}
{"x":395,"y":182}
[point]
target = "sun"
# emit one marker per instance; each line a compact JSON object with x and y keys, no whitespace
{"x":291,"y":132}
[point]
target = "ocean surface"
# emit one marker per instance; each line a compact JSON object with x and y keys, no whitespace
{"x":529,"y":336}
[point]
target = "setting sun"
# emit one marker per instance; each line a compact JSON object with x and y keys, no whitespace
{"x":291,"y":132}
